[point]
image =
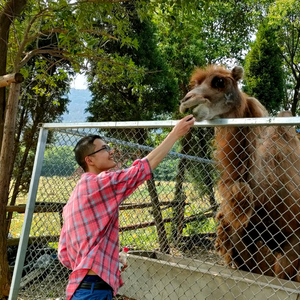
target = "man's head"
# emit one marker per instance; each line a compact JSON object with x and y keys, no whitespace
{"x":93,"y":154}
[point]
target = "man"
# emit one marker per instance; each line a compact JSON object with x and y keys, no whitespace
{"x":89,"y":241}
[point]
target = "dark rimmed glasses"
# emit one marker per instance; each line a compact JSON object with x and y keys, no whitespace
{"x":105,"y":147}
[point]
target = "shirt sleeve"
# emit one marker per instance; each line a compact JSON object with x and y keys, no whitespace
{"x":126,"y":181}
{"x":62,"y":250}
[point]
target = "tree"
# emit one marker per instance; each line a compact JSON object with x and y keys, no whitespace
{"x":8,"y":14}
{"x":215,"y":32}
{"x":264,"y":70}
{"x":119,"y":100}
{"x":36,"y":108}
{"x":284,"y":16}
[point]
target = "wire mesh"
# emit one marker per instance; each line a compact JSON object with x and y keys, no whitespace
{"x":219,"y":220}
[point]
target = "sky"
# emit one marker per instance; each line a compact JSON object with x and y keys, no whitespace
{"x":79,"y":82}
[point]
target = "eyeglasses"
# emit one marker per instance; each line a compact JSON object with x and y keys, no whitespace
{"x":105,"y":147}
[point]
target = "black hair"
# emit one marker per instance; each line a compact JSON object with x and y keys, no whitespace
{"x":83,"y":148}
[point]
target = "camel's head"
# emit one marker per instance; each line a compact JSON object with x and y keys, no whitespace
{"x":214,"y":93}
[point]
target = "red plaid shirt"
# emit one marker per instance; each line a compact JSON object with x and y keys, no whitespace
{"x":90,"y":235}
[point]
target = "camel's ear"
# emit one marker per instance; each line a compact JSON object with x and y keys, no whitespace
{"x":237,"y":73}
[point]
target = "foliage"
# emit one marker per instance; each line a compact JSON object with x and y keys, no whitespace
{"x":59,"y":156}
{"x":284,"y":16}
{"x":201,"y":226}
{"x":79,"y":31}
{"x":126,"y":96}
{"x":48,"y":41}
{"x":210,"y":32}
{"x":166,"y":170}
{"x":202,"y":173}
{"x":42,"y":100}
{"x":264,"y":70}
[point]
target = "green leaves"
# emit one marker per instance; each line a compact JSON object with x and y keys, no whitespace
{"x":134,"y":83}
{"x":264,"y":72}
{"x":284,"y":17}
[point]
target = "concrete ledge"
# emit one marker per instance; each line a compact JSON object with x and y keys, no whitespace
{"x":156,"y":276}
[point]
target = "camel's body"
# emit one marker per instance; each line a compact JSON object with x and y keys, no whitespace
{"x":259,"y":214}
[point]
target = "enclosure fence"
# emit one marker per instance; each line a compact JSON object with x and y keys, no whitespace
{"x":201,"y":228}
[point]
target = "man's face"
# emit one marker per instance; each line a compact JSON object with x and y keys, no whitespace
{"x":101,"y":159}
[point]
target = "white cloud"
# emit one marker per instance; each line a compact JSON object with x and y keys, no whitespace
{"x":79,"y":82}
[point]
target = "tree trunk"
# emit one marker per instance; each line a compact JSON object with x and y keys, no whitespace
{"x":6,"y":163}
{"x":208,"y":179}
{"x":8,"y":113}
{"x":180,"y":197}
{"x":296,"y":96}
{"x":10,"y":11}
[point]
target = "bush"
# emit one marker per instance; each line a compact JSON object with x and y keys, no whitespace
{"x":59,"y":161}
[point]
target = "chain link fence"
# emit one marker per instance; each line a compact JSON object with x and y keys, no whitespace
{"x":169,"y":223}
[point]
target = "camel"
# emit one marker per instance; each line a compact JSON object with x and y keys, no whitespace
{"x":259,"y":214}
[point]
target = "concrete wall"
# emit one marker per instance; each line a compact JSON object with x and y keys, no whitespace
{"x":157,"y":276}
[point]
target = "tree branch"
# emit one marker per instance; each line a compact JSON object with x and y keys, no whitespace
{"x":26,"y":39}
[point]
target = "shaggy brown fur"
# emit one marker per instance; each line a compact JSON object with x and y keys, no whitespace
{"x":259,"y":214}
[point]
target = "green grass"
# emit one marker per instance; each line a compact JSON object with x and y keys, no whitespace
{"x":16,"y":225}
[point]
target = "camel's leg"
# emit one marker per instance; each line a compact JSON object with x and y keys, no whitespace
{"x":288,"y":261}
{"x":230,"y":244}
{"x":223,"y":242}
{"x":265,"y":260}
{"x":236,"y":210}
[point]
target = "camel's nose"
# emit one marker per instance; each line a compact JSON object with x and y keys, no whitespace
{"x":182,"y":100}
{"x":186,"y":97}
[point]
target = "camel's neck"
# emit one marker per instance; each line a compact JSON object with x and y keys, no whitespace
{"x":251,"y":108}
{"x":235,"y":151}
{"x":236,"y":145}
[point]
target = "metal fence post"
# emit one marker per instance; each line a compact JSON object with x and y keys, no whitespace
{"x":37,"y":167}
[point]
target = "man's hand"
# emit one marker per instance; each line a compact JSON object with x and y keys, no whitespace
{"x":183,"y":126}
{"x":180,"y":129}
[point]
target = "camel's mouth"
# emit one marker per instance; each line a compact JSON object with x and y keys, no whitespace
{"x":187,"y":110}
{"x":200,"y":107}
{"x":190,"y":104}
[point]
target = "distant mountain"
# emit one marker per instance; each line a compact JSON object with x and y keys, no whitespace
{"x":77,"y":106}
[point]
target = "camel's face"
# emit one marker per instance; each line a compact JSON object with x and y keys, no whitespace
{"x":215,"y":93}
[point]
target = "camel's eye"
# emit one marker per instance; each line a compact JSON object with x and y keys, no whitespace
{"x":218,"y":83}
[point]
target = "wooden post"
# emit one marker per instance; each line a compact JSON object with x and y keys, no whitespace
{"x":160,"y":226}
{"x":7,"y":79}
{"x":6,"y":155}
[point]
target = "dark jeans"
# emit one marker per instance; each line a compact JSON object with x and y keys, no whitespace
{"x":83,"y":294}
{"x":93,"y":294}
